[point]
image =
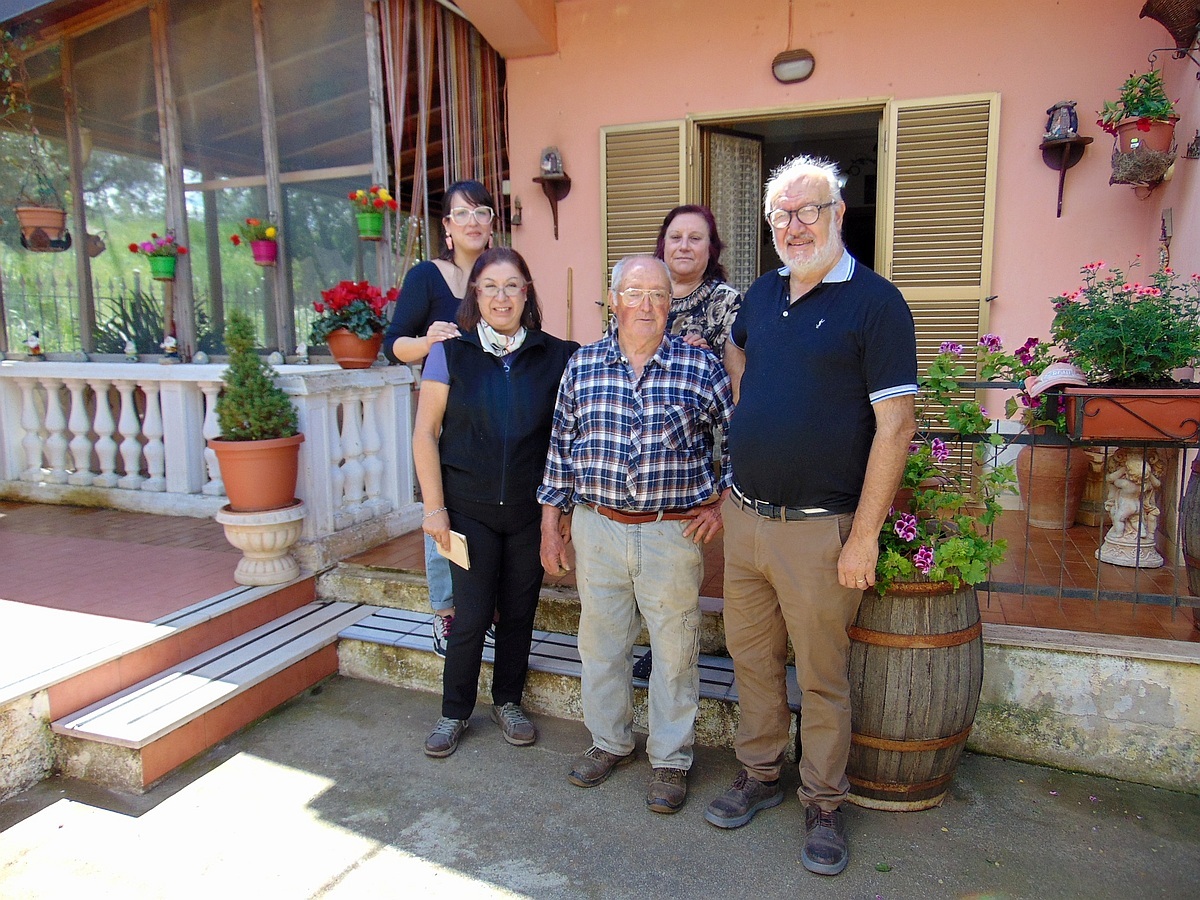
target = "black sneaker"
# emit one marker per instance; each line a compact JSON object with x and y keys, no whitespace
{"x":745,"y":797}
{"x":441,"y":626}
{"x":825,"y":850}
{"x":642,"y":668}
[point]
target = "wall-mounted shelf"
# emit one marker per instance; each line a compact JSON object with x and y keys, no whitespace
{"x":555,"y":187}
{"x":1062,"y":153}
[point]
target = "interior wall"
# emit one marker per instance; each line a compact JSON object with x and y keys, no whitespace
{"x":621,"y":63}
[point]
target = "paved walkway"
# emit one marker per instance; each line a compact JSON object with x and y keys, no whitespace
{"x":331,"y":797}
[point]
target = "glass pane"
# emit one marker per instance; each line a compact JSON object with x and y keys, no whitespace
{"x":319,"y":78}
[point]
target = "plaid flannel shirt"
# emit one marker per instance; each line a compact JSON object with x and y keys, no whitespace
{"x":638,"y":445}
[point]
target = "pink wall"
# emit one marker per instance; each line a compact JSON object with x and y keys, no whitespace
{"x":632,"y":62}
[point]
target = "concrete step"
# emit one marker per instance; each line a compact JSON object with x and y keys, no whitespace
{"x":131,"y":739}
{"x":395,"y":646}
{"x":558,"y":607}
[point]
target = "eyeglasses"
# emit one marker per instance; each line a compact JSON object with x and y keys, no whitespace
{"x":461,"y":215}
{"x":805,"y":215}
{"x":635,"y":296}
{"x":509,"y":289}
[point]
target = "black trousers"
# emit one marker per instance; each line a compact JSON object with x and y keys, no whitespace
{"x":504,"y":543}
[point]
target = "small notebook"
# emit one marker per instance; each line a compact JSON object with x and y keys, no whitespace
{"x":457,"y":553}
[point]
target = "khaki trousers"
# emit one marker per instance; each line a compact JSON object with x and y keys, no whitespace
{"x":781,"y":582}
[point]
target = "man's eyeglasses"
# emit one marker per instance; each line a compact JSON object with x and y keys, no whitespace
{"x":635,"y":296}
{"x":805,"y":215}
{"x":461,"y":215}
{"x":510,"y":289}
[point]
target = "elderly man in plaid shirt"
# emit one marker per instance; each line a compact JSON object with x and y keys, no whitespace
{"x":630,"y":482}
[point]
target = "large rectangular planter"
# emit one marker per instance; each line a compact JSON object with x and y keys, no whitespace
{"x":1160,"y":414}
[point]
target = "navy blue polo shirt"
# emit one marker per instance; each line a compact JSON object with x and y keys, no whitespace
{"x":802,"y":430}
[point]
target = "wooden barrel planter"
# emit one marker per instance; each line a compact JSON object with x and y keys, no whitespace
{"x":916,"y":670}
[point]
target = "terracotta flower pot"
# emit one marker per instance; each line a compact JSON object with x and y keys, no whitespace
{"x":265,"y":252}
{"x":370,"y":225}
{"x":1159,"y":137}
{"x":1051,"y":479}
{"x":259,"y":475}
{"x":47,"y":220}
{"x":351,"y":351}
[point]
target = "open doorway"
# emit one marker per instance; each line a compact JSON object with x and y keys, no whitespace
{"x":738,"y":154}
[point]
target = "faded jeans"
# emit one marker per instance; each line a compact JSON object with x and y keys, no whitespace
{"x":437,"y":576}
{"x":623,"y":570}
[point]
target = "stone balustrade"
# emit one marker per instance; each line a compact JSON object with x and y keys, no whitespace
{"x":132,"y":436}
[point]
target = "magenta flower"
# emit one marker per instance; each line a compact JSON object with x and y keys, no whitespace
{"x":951,"y":347}
{"x":939,"y":449}
{"x":991,"y":342}
{"x":923,"y":559}
{"x":906,"y":527}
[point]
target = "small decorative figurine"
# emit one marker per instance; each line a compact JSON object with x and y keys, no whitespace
{"x":131,"y":351}
{"x":1063,"y":122}
{"x":34,"y":345}
{"x":200,"y":358}
{"x":170,"y":349}
{"x":552,"y":164}
{"x":302,"y":354}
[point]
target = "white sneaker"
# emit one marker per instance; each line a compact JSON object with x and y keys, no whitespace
{"x":441,"y":626}
{"x":489,"y":636}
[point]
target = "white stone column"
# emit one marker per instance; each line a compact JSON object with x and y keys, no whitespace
{"x":80,"y":425}
{"x":130,"y":447}
{"x":31,"y":425}
{"x":213,"y":486}
{"x":56,"y":432}
{"x":152,"y":428}
{"x":105,"y":426}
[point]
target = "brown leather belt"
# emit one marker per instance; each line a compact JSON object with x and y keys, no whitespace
{"x":642,"y":518}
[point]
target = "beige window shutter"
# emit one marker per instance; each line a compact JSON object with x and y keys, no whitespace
{"x":937,"y":208}
{"x":643,"y":171}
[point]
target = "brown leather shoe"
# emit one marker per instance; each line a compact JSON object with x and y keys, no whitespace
{"x":593,"y":766}
{"x":667,"y":791}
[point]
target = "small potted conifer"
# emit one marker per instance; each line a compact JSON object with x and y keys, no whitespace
{"x":259,"y":447}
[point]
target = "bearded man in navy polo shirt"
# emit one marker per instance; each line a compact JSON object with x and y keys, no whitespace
{"x":817,"y":444}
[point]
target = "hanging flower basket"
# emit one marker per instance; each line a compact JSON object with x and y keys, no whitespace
{"x":370,"y":225}
{"x":162,"y":268}
{"x":43,"y":228}
{"x":265,"y":252}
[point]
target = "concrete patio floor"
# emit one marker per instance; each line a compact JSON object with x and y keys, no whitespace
{"x":331,"y":797}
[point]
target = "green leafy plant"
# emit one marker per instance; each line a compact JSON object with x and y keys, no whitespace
{"x":254,"y":230}
{"x":1143,"y":97}
{"x":41,"y":168}
{"x":354,"y":305}
{"x":1047,"y":410}
{"x":940,"y":526}
{"x":138,"y":316}
{"x":1128,"y":333}
{"x":159,"y":246}
{"x":252,"y":407}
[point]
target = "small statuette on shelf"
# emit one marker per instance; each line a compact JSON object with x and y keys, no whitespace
{"x":170,"y":349}
{"x":302,"y":354}
{"x":200,"y":358}
{"x":33,"y":345}
{"x":1063,"y":121}
{"x":131,"y":351}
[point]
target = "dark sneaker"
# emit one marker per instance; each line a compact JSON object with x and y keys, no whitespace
{"x":641,"y":668}
{"x":594,"y":765}
{"x":825,"y":850}
{"x":443,"y":740}
{"x":518,"y":730}
{"x":441,"y":626}
{"x":667,"y":791}
{"x":745,"y":797}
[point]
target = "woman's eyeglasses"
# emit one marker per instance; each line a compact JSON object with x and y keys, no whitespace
{"x":461,"y":215}
{"x":510,"y":289}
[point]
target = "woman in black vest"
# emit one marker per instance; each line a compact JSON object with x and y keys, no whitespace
{"x":479,"y":445}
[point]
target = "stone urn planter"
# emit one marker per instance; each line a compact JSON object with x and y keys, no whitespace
{"x":264,"y":539}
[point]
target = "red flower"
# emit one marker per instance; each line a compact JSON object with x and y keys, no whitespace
{"x":253,"y":222}
{"x":1143,"y":124}
{"x":353,"y":195}
{"x":319,"y":307}
{"x":237,"y":241}
{"x":153,"y":236}
{"x":393,"y":205}
{"x":379,"y":204}
{"x":181,"y":251}
{"x":133,"y":248}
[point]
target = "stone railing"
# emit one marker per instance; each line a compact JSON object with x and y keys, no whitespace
{"x":132,"y":436}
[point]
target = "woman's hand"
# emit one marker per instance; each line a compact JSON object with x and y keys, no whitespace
{"x":437,"y":527}
{"x":438,"y":332}
{"x":696,"y":340}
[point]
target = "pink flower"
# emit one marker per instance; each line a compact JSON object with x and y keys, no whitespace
{"x":923,"y":559}
{"x":940,"y":451}
{"x":951,"y":347}
{"x":906,"y":527}
{"x":991,"y":342}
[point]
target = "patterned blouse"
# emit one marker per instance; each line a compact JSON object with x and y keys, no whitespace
{"x":709,"y":311}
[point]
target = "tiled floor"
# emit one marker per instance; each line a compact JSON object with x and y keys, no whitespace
{"x":132,"y":566}
{"x":1038,"y":552}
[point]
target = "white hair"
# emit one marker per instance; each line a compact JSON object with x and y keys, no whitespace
{"x":799,"y":167}
{"x":618,"y":271}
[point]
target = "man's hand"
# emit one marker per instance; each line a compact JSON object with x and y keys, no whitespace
{"x":556,"y":534}
{"x":856,"y":563}
{"x":708,"y":523}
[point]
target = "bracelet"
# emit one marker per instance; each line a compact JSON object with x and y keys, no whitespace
{"x":434,"y":513}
